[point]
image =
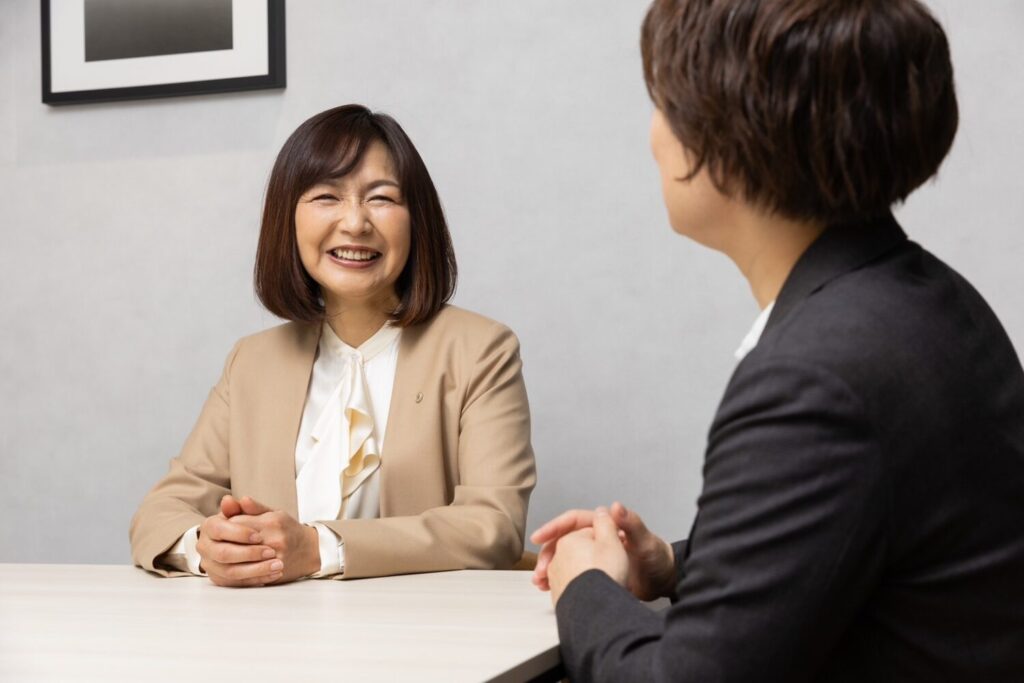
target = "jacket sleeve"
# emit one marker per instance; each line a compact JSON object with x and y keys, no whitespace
{"x":191,"y":491}
{"x":788,"y":541}
{"x":484,"y":525}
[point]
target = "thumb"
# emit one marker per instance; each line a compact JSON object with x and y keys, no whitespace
{"x":605,"y":530}
{"x":252,"y":507}
{"x":229,"y":507}
{"x":629,"y":521}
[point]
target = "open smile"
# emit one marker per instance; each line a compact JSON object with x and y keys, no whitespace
{"x":354,"y":257}
{"x":349,"y":254}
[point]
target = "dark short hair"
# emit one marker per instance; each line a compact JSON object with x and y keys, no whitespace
{"x":813,"y":109}
{"x":328,"y":146}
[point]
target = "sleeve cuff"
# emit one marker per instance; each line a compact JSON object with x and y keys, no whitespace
{"x":680,"y":550}
{"x":332,"y":552}
{"x":187,"y":544}
{"x":601,"y":626}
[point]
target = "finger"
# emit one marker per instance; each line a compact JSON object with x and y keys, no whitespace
{"x":229,"y":506}
{"x":628,"y":521}
{"x":264,"y":524}
{"x":243,"y":570}
{"x":234,"y":553}
{"x":258,"y":581}
{"x":252,"y":507}
{"x":217,"y":529}
{"x":540,"y":578}
{"x":586,"y":532}
{"x":544,"y":556}
{"x":564,"y":523}
{"x":556,"y":527}
{"x":245,"y":583}
{"x":605,"y":530}
{"x":572,"y":540}
{"x":619,"y":513}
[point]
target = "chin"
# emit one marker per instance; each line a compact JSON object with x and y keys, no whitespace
{"x":681,"y":227}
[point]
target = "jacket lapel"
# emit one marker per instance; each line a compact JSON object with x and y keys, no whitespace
{"x":289,"y":378}
{"x":416,"y":408}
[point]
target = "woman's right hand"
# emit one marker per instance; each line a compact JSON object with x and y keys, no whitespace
{"x":233,"y":554}
{"x":652,"y":570}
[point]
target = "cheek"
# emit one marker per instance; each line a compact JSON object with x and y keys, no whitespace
{"x":677,"y":202}
{"x":697,"y":209}
{"x":398,"y":237}
{"x":405,"y":243}
{"x":307,"y":238}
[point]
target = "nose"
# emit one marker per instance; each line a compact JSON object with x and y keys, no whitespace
{"x":354,"y":219}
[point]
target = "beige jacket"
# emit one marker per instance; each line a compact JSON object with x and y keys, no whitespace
{"x":457,"y":466}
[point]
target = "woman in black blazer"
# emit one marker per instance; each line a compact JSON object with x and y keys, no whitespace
{"x":862,"y":514}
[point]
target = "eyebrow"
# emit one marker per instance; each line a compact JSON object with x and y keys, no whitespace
{"x":372,"y":185}
{"x":380,"y":182}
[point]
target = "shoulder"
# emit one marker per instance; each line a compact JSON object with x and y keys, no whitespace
{"x":275,"y":343}
{"x":456,"y":327}
{"x":454,"y":320}
{"x":281,"y":337}
{"x":874,"y":321}
{"x":903,"y":334}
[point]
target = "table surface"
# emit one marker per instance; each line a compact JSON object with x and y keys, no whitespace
{"x":103,"y":622}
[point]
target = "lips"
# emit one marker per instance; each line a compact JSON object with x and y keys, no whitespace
{"x":357,"y":254}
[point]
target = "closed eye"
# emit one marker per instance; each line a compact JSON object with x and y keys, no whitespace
{"x":323,"y":197}
{"x":381,"y":197}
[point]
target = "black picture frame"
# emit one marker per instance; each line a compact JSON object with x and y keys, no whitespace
{"x":275,"y":78}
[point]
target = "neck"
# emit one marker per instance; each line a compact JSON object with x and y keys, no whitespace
{"x":766,"y":247}
{"x":354,"y":323}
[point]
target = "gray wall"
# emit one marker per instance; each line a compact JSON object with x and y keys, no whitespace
{"x":129,"y":232}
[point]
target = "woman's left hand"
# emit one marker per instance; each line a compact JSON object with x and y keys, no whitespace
{"x":296,"y":544}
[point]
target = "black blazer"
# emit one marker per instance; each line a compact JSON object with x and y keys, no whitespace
{"x":862,"y":515}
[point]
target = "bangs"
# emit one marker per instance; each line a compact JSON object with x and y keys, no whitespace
{"x":332,"y":156}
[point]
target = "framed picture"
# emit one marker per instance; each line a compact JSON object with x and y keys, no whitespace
{"x":104,"y":50}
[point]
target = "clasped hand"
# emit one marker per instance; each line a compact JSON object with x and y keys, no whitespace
{"x":248,"y":544}
{"x":615,"y":541}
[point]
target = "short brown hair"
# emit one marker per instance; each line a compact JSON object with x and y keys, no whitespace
{"x":330,"y":145}
{"x":813,"y":109}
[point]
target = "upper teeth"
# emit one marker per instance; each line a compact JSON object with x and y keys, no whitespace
{"x":353,"y":255}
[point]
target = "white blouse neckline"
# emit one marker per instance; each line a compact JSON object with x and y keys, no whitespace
{"x":382,"y":339}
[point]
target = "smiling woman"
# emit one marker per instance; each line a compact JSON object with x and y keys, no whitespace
{"x":285,"y":475}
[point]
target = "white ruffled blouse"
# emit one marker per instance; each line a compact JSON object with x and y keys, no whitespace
{"x":342,"y":433}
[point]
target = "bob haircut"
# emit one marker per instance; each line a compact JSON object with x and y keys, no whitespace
{"x":328,"y":146}
{"x":811,"y":109}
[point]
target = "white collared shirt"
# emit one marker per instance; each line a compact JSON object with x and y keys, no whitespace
{"x":754,"y":335}
{"x":337,"y":453}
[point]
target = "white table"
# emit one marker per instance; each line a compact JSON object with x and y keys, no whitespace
{"x":108,"y":623}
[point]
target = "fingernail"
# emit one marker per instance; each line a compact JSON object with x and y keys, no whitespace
{"x":268,"y":553}
{"x":254,"y":538}
{"x":276,"y":565}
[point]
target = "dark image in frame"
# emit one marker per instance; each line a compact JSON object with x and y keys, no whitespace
{"x":104,"y":35}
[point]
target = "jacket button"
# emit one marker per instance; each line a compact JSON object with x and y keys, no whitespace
{"x":419,"y":396}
